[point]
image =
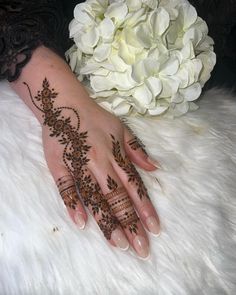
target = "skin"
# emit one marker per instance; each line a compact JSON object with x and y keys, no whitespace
{"x":110,"y":149}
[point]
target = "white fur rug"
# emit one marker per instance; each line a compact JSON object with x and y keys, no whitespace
{"x":42,"y":252}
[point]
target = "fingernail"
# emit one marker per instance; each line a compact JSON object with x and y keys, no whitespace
{"x":154,"y":162}
{"x":141,"y":246}
{"x":79,"y":220}
{"x":153,"y":225}
{"x":119,"y":239}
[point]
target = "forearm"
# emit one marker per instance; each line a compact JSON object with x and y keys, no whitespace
{"x":44,"y":63}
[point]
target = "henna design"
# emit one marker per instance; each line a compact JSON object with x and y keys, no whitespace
{"x":129,"y":169}
{"x":121,"y":206}
{"x":67,"y":189}
{"x":74,"y":157}
{"x":135,"y":143}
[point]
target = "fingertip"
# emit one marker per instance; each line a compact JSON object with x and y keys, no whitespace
{"x":145,"y":164}
{"x":153,"y":163}
{"x":120,"y":240}
{"x":80,"y":219}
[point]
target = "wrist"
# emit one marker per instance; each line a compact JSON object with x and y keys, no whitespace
{"x":46,"y":64}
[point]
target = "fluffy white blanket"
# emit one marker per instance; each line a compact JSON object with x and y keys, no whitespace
{"x":43,"y":252}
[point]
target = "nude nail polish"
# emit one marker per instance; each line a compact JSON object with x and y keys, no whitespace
{"x":141,"y":246}
{"x":119,"y":239}
{"x":153,"y":225}
{"x":79,"y":220}
{"x":154,"y":163}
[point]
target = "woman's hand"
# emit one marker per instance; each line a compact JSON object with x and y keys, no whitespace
{"x":90,"y":154}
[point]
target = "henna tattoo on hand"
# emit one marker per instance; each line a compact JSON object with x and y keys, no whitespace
{"x":67,"y":190}
{"x":121,"y":205}
{"x":74,"y":156}
{"x":135,"y":143}
{"x":128,"y":168}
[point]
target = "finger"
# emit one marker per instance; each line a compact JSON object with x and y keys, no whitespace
{"x":68,"y":191}
{"x":98,"y":206}
{"x":135,"y":150}
{"x":122,"y":207}
{"x":135,"y":188}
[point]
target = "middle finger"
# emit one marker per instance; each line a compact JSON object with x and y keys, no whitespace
{"x":122,"y":207}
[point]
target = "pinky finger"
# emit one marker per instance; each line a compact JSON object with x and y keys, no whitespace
{"x":69,"y":194}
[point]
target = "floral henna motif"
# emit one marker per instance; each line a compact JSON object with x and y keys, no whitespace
{"x":128,"y":168}
{"x":121,"y":205}
{"x":74,"y":157}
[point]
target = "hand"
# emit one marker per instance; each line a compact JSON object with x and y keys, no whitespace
{"x":89,"y":149}
{"x":92,"y":149}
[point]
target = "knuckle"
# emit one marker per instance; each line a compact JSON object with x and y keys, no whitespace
{"x":93,"y":153}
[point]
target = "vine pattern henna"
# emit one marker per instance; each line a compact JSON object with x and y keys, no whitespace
{"x":128,"y":168}
{"x":121,"y":205}
{"x":74,"y":156}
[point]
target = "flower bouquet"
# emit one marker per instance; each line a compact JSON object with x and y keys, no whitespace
{"x":144,"y":57}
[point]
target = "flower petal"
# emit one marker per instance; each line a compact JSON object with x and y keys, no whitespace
{"x":208,"y":60}
{"x":151,"y":3}
{"x":135,"y":17}
{"x":118,"y":63}
{"x":143,"y":35}
{"x":154,"y":85}
{"x":122,"y":109}
{"x":117,"y":10}
{"x":91,"y":37}
{"x":126,"y":52}
{"x":102,"y":52}
{"x":187,"y":52}
{"x":177,"y":98}
{"x":170,"y":85}
{"x":143,"y":95}
{"x":145,"y":68}
{"x":98,"y":83}
{"x":106,"y":28}
{"x":180,"y":109}
{"x":80,"y":13}
{"x":192,"y":92}
{"x":160,"y":21}
{"x":158,"y":110}
{"x":134,"y":5}
{"x":170,"y":67}
{"x":189,"y":15}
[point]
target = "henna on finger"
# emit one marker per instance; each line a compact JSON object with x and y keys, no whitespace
{"x":135,"y":143}
{"x":93,"y":197}
{"x":67,"y":190}
{"x":121,"y":205}
{"x":128,"y":168}
{"x":74,"y":156}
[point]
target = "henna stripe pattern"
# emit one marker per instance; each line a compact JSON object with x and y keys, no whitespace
{"x":68,"y":191}
{"x":74,"y":157}
{"x":121,"y":205}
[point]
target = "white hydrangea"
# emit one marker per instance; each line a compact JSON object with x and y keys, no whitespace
{"x":141,"y":56}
